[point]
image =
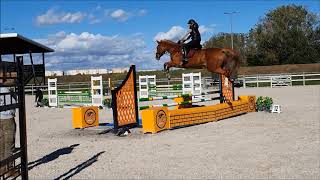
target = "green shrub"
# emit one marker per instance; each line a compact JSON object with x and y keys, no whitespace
{"x":107,"y":102}
{"x":45,"y":101}
{"x":264,"y":103}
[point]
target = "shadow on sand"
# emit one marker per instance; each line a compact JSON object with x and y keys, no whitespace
{"x":52,"y":156}
{"x":80,"y":167}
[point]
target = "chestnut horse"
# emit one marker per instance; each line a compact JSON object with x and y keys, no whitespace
{"x":224,"y":61}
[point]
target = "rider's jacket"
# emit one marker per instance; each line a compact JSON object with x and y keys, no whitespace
{"x":195,"y":34}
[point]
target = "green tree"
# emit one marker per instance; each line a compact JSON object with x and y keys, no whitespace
{"x":287,"y":35}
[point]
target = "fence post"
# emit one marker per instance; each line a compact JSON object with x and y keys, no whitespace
{"x":244,"y":82}
{"x":303,"y":79}
{"x":257,"y":80}
{"x":32,"y":89}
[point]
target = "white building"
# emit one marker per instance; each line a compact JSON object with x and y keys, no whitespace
{"x":86,"y":71}
{"x":119,"y":70}
{"x":54,"y":73}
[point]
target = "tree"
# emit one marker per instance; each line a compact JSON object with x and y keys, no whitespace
{"x":287,"y":35}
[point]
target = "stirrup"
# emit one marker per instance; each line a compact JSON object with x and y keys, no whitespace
{"x":184,"y":61}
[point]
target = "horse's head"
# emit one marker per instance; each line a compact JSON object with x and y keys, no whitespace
{"x":166,"y":46}
{"x":161,"y":50}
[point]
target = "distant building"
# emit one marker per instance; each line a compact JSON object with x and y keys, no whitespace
{"x":54,"y":73}
{"x":86,"y":71}
{"x":119,"y":70}
{"x":147,"y":70}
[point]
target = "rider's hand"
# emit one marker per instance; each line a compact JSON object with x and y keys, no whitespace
{"x":179,"y":42}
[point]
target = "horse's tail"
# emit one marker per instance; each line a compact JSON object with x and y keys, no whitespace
{"x":232,"y":62}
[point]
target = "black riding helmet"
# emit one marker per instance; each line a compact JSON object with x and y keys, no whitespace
{"x":191,"y":21}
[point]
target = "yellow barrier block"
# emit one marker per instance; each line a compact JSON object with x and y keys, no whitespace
{"x":155,"y":119}
{"x":160,"y":118}
{"x":85,"y":117}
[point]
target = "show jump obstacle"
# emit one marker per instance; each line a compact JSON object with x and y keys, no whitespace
{"x":191,"y":84}
{"x":94,"y":97}
{"x":191,"y":87}
{"x":125,"y":103}
{"x":155,"y":119}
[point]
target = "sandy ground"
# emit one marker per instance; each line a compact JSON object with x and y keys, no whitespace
{"x":251,"y":146}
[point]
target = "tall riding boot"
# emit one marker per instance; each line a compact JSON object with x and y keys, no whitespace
{"x":185,"y":58}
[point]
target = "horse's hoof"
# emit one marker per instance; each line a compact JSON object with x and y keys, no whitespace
{"x":168,"y":76}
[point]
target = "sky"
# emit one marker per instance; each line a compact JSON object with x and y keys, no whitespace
{"x":115,"y":34}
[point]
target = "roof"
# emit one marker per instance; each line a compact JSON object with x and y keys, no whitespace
{"x":13,"y":43}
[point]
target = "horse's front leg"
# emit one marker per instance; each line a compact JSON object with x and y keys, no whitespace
{"x":166,"y":67}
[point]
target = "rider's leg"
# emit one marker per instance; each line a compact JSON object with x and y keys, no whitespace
{"x":186,"y":48}
{"x":185,"y":54}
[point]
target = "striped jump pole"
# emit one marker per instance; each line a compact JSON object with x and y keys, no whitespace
{"x":165,"y":105}
{"x":177,"y":104}
{"x":163,"y":97}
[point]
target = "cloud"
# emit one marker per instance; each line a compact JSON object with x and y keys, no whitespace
{"x":120,"y":15}
{"x":93,"y":19}
{"x":93,"y":16}
{"x":174,"y":34}
{"x":86,"y":50}
{"x":142,"y":12}
{"x":53,"y":17}
{"x":177,"y":32}
{"x":203,"y":29}
{"x":98,"y":7}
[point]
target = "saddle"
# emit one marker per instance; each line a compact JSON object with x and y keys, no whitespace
{"x":193,"y":51}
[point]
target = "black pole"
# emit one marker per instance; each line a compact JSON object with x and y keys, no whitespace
{"x":135,"y":94}
{"x":114,"y":110}
{"x":221,"y":89}
{"x":44,"y":69}
{"x":22,"y":119}
{"x":233,"y":98}
{"x":34,"y":74}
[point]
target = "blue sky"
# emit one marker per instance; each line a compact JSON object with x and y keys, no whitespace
{"x":110,"y":34}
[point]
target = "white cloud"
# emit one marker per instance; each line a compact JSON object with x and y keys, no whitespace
{"x":53,"y":17}
{"x":98,"y":7}
{"x":120,"y":15}
{"x":203,"y":29}
{"x":142,"y":12}
{"x":93,"y":19}
{"x":177,"y":32}
{"x":86,"y":50}
{"x":174,"y":34}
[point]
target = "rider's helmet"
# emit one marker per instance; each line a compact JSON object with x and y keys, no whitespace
{"x":191,"y":21}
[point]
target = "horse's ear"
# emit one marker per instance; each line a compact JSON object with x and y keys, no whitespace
{"x":158,"y":41}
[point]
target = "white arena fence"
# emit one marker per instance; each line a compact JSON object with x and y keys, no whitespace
{"x":266,"y":80}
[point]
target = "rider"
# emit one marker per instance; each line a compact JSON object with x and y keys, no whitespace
{"x":195,"y":36}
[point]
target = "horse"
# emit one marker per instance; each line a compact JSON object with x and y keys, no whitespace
{"x":224,"y":61}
